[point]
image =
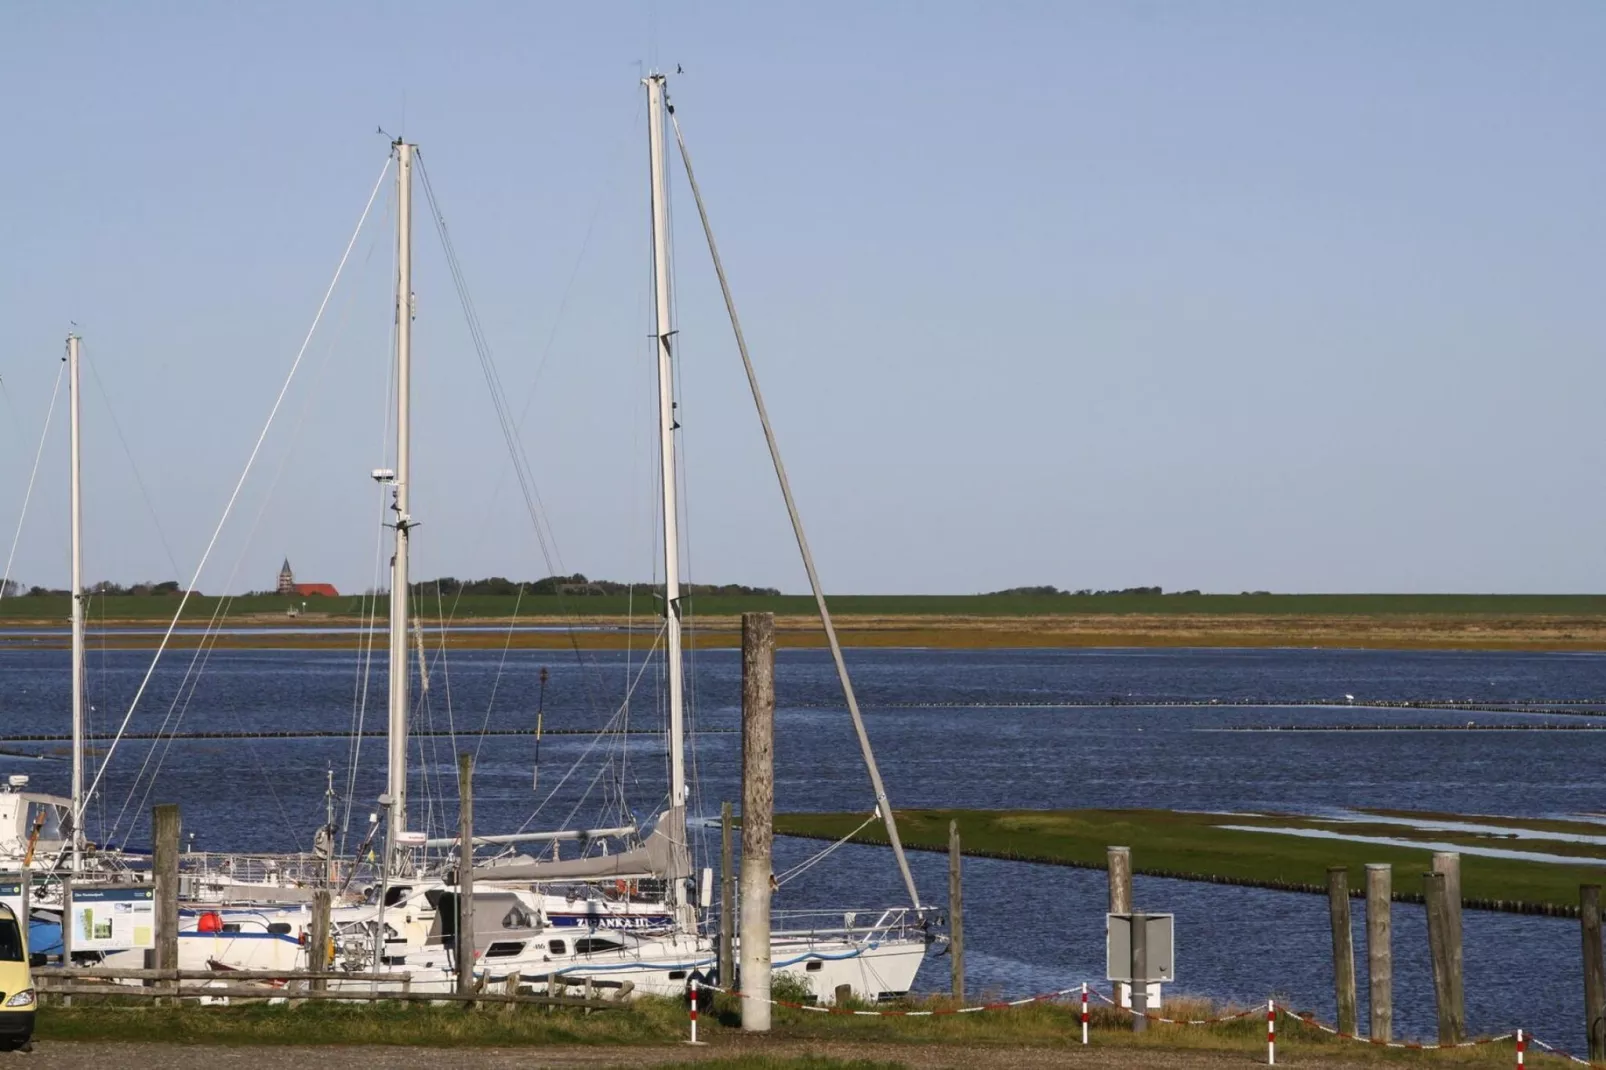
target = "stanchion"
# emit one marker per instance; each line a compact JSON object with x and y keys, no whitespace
{"x":694,"y":1039}
{"x":1084,"y":1012}
{"x":1520,"y":1049}
{"x":1271,"y":1032}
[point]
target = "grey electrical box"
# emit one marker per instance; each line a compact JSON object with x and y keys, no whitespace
{"x":1159,"y":956}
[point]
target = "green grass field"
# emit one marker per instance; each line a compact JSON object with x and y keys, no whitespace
{"x":1195,"y":846}
{"x":131,"y":608}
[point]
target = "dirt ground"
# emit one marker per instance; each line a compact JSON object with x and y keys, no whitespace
{"x":54,"y":1055}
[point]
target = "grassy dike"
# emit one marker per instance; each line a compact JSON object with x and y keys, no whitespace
{"x":1194,"y":846}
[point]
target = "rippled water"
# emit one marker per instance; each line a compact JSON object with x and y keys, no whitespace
{"x":1029,"y":928}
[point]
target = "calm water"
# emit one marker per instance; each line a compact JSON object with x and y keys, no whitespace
{"x":1029,"y":928}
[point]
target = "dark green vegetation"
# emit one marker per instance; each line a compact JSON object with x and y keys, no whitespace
{"x":1197,"y":847}
{"x":643,"y":604}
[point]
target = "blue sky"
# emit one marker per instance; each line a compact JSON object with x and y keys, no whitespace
{"x":1227,"y":295}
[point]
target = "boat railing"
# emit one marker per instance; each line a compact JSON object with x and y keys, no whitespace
{"x":862,"y":926}
{"x":304,"y":870}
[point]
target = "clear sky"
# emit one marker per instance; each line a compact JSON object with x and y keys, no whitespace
{"x":1223,"y":295}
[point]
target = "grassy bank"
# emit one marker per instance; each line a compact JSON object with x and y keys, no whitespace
{"x":798,"y":1039}
{"x":1200,"y":847}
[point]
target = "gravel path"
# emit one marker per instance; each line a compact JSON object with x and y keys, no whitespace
{"x":50,"y":1056}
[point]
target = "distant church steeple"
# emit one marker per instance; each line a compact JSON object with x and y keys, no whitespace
{"x":287,"y":579}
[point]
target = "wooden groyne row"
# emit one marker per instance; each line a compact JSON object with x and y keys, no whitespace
{"x":1503,"y":906}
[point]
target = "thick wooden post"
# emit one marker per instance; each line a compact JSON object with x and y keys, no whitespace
{"x":1449,"y":864}
{"x":1380,"y":949}
{"x":758,"y":814}
{"x":318,"y":939}
{"x":1118,"y":860}
{"x":1594,"y":971}
{"x":164,"y":865}
{"x":727,"y":899}
{"x":465,"y":874}
{"x":956,"y":912}
{"x":67,"y":922}
{"x":1140,"y":972}
{"x":1451,"y":1020}
{"x":1343,"y":947}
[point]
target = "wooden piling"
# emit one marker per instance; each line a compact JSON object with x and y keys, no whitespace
{"x":318,"y":940}
{"x":1444,"y":957}
{"x":1343,"y":947}
{"x":165,"y":829}
{"x":1594,"y":971}
{"x":727,"y":899}
{"x":1118,"y":861}
{"x":465,"y":873}
{"x":66,"y":926}
{"x":1449,"y":864}
{"x":758,"y":815}
{"x":1380,"y":950}
{"x":956,"y":913}
{"x":1139,"y":947}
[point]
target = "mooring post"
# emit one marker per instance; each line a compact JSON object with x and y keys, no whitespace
{"x":66,"y":929}
{"x":318,"y":940}
{"x":758,"y":815}
{"x":727,"y":899}
{"x":164,"y":866}
{"x":956,"y":912}
{"x":1449,"y":864}
{"x":1594,"y":971}
{"x":1118,"y":860}
{"x":1380,"y":950}
{"x":1343,"y":947}
{"x":1439,"y":935}
{"x":1140,"y":972}
{"x":465,"y":874}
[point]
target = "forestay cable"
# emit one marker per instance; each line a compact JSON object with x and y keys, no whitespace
{"x":882,"y":802}
{"x":240,"y":483}
{"x":6,"y":582}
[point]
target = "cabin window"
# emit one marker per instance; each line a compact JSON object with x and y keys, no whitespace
{"x":279,"y":928}
{"x":557,"y":947}
{"x":504,"y":949}
{"x":393,"y":896}
{"x":590,"y":945}
{"x":10,"y":941}
{"x":231,"y":927}
{"x":677,"y":975}
{"x":813,"y":965}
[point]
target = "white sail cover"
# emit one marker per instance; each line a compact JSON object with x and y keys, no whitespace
{"x":662,"y":854}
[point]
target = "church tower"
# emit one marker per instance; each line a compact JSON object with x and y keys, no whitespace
{"x":287,"y":579}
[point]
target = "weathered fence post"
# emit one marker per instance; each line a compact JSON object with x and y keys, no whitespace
{"x":164,"y":866}
{"x":1449,"y":864}
{"x":1140,"y":972}
{"x":727,"y":900}
{"x":956,"y":912}
{"x":66,"y":929}
{"x":1594,"y":971}
{"x":1380,"y":949}
{"x":1343,"y":947}
{"x":465,"y":873}
{"x":1443,"y":956}
{"x":1118,"y":860}
{"x":318,"y":941}
{"x":758,"y":814}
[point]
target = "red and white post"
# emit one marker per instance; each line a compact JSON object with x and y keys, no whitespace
{"x":1271,"y":1032}
{"x":694,"y":1039}
{"x":1084,"y":1012}
{"x":1522,"y":1046}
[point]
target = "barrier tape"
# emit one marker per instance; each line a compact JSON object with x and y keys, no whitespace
{"x":1310,"y":1019}
{"x":1176,"y":1021}
{"x":1560,"y":1051}
{"x":817,"y":1009}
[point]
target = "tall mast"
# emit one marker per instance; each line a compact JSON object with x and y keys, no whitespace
{"x":77,"y":617}
{"x":663,"y":333}
{"x":399,"y":691}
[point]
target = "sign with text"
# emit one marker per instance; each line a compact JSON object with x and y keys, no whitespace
{"x":113,"y":919}
{"x":11,"y":894}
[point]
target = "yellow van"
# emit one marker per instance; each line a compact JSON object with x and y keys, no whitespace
{"x":17,"y":999}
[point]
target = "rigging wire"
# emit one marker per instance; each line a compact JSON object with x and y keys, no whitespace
{"x":55,"y":391}
{"x":239,"y":485}
{"x":139,"y":480}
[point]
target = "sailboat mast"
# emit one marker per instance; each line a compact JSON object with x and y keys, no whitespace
{"x":77,"y":617}
{"x":663,"y":333}
{"x":396,"y":786}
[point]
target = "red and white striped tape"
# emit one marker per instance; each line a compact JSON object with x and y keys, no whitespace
{"x":1176,"y":1021}
{"x":816,"y":1008}
{"x":1310,"y":1020}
